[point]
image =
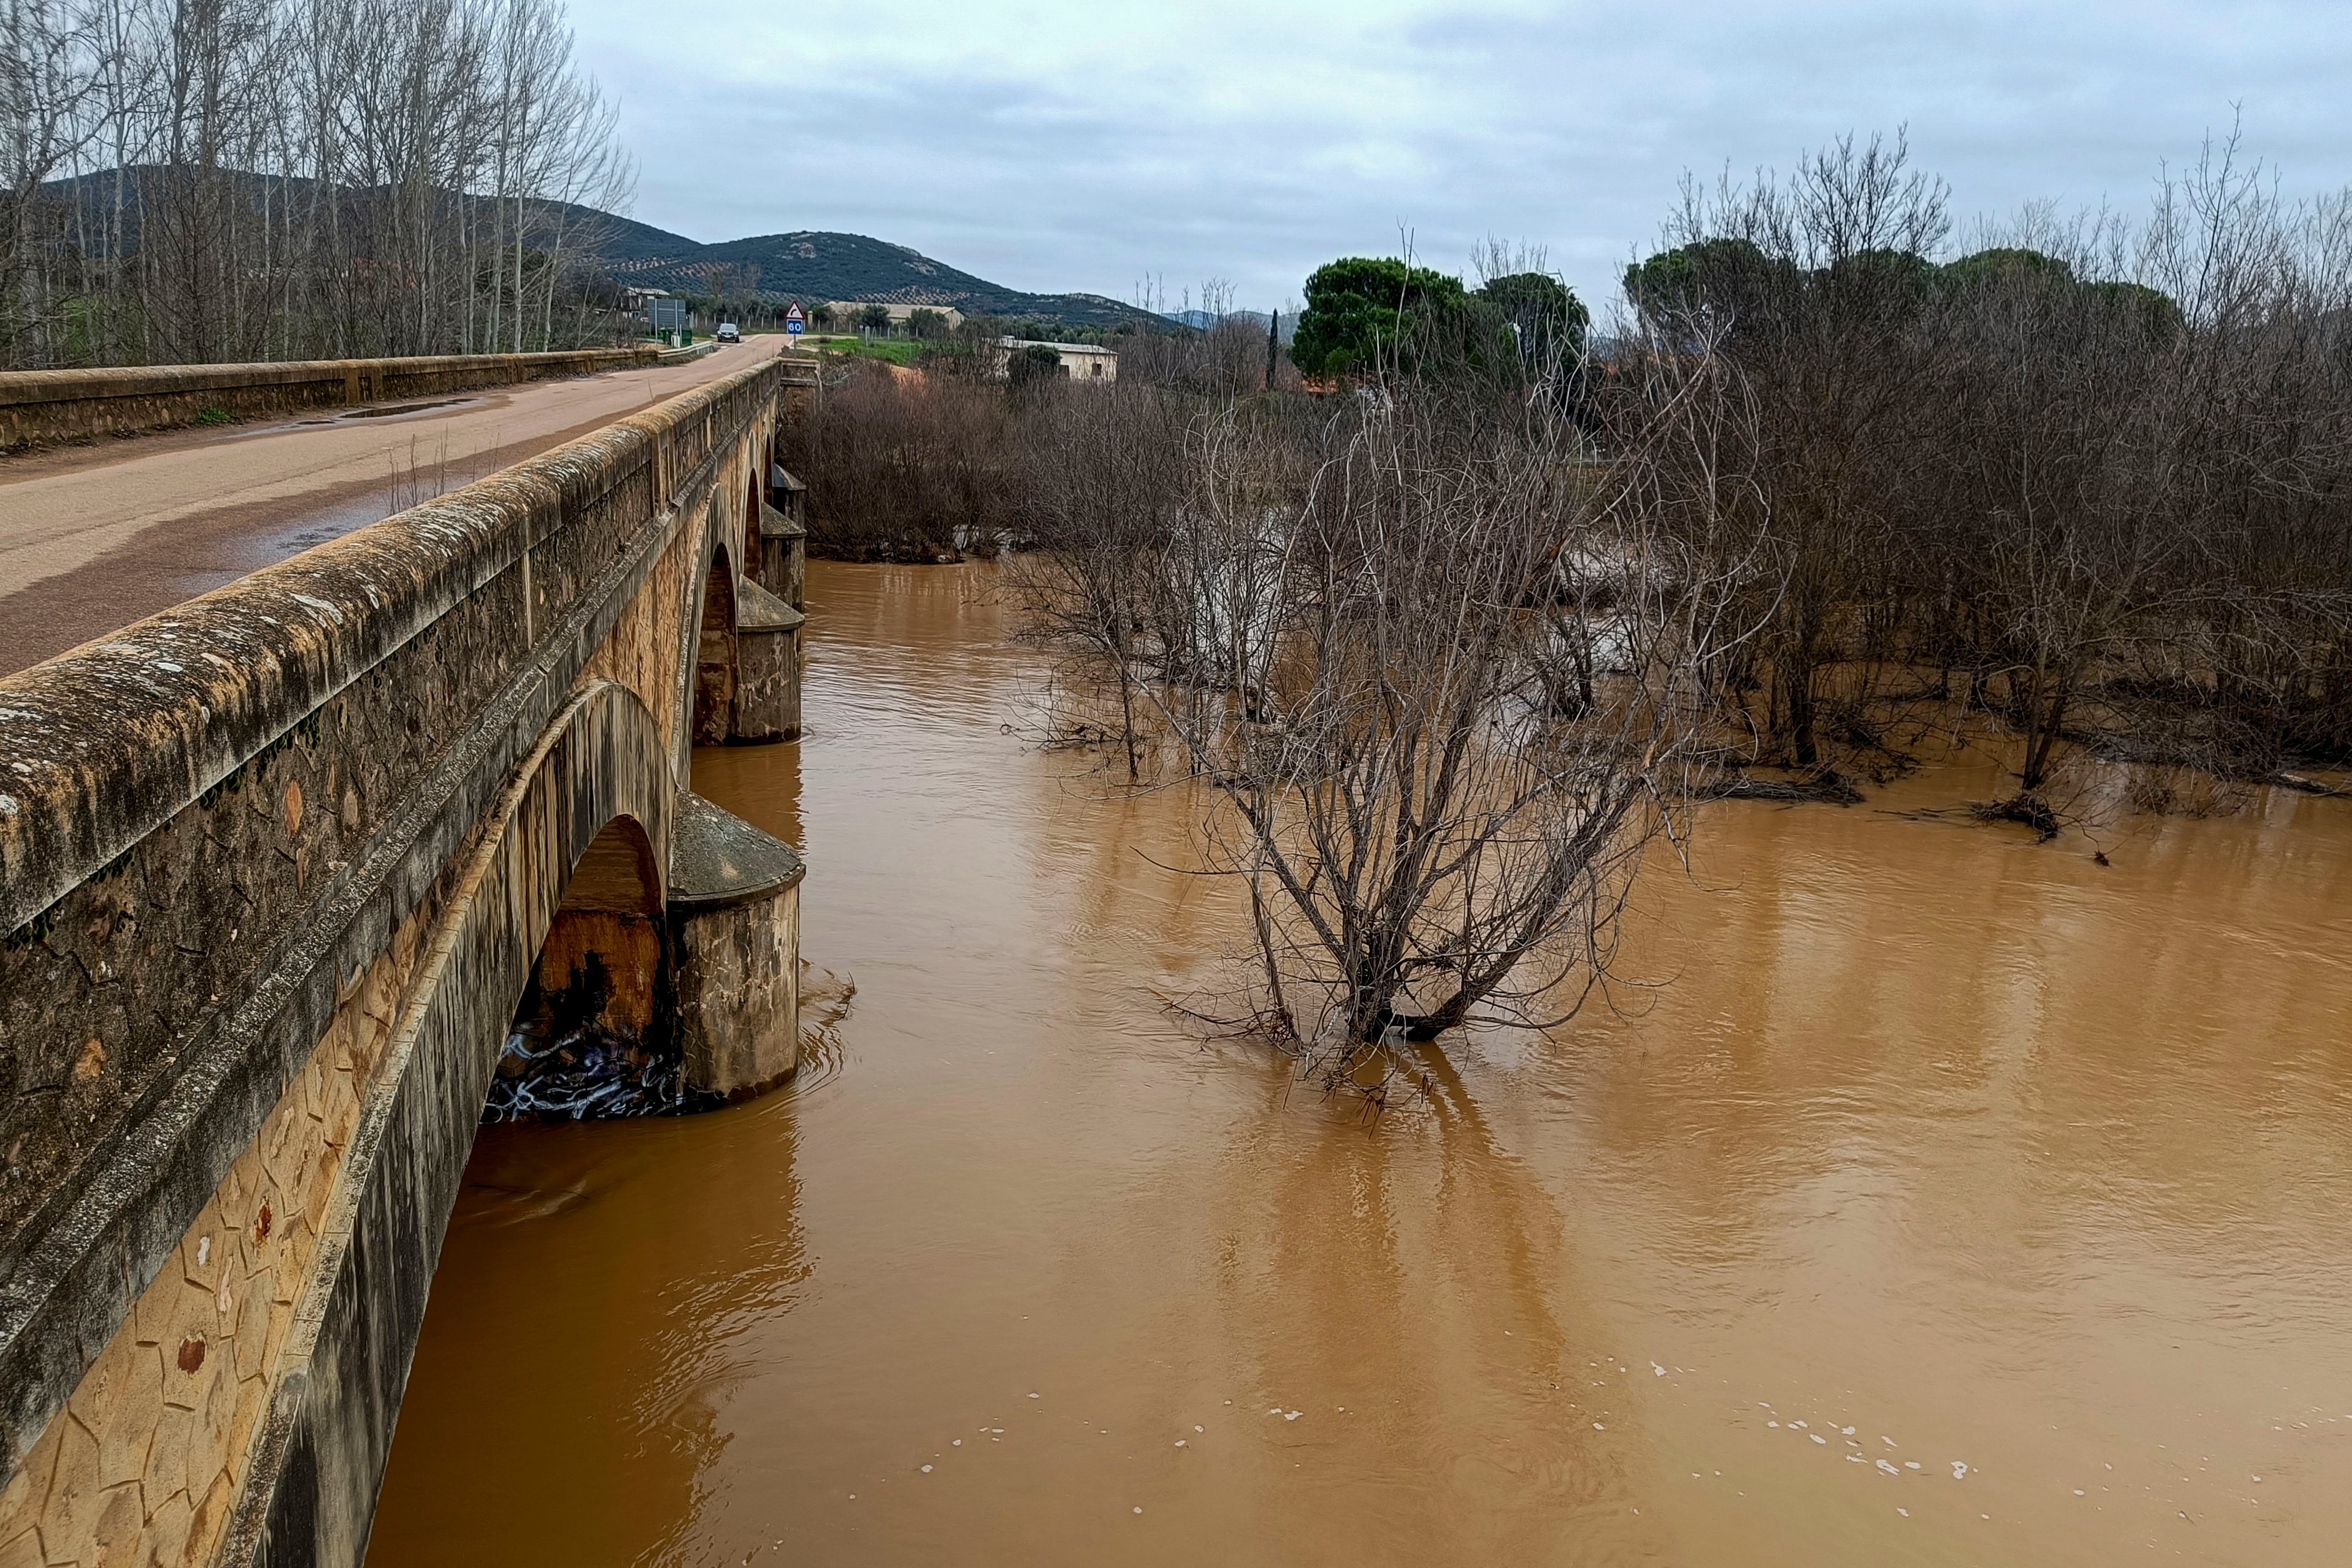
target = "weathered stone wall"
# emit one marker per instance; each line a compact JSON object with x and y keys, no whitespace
{"x":738,"y":994}
{"x":767,"y":695}
{"x":38,"y":406}
{"x":317,"y":1455}
{"x":654,"y":648}
{"x":734,"y":916}
{"x":150,"y":1452}
{"x":229,"y":838}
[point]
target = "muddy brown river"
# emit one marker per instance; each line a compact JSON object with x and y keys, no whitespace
{"x":1950,"y":1199}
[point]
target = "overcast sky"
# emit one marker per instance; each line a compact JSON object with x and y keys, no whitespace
{"x":1089,"y":145}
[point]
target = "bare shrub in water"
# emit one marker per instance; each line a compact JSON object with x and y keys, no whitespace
{"x":904,"y":467}
{"x":1103,"y":478}
{"x":1447,"y":674}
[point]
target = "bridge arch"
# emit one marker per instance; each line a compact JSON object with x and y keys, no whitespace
{"x":600,"y":978}
{"x":715,"y":660}
{"x":585,"y":819}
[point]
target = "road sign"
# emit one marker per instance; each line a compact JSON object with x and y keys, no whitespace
{"x":794,"y":323}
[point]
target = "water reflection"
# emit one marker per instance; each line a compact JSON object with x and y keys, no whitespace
{"x":584,"y":1325}
{"x":1993,"y":1155}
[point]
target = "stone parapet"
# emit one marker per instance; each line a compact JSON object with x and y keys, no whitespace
{"x":39,"y":406}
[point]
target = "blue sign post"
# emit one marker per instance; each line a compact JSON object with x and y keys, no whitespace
{"x":794,"y":323}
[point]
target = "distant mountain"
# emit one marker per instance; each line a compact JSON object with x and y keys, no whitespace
{"x":1201,"y":321}
{"x":811,"y":265}
{"x":806,"y":265}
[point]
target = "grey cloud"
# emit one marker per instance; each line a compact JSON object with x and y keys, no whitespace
{"x":1073,"y":162}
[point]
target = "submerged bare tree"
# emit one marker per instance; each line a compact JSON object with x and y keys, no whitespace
{"x":1818,"y":283}
{"x":1445,"y":673}
{"x":2065,"y":504}
{"x":1102,"y":477}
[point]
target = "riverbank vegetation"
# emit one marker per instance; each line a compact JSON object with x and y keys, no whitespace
{"x":953,"y":462}
{"x":902,"y":466}
{"x":2090,"y":479}
{"x":2083,"y":481}
{"x":1451,"y":644}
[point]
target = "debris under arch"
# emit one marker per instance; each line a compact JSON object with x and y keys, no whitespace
{"x":589,"y":1071}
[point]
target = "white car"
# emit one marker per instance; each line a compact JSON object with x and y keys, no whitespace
{"x":729,"y":332}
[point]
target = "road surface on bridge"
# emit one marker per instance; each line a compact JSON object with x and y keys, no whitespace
{"x":93,"y":538}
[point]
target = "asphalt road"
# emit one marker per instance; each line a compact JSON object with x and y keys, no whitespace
{"x":95,"y":537}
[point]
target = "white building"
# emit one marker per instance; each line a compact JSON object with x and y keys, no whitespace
{"x":1080,"y":361}
{"x":845,"y":312}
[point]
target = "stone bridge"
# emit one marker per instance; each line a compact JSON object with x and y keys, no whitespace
{"x":280,"y":871}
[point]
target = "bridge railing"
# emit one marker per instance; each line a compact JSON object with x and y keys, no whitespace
{"x":38,"y":407}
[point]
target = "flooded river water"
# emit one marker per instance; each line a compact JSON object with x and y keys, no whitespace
{"x":1953,"y":1200}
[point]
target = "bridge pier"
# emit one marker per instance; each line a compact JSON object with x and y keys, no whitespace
{"x":783,"y":541}
{"x":734,"y":911}
{"x":767,"y":667}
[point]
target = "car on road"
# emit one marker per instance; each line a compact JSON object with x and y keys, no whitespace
{"x":729,"y":332}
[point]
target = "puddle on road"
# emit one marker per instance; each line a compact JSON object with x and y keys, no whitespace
{"x":344,"y":416}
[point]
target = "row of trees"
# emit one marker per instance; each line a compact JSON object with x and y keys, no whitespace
{"x":2092,"y":477}
{"x":221,"y":180}
{"x":1368,"y":314}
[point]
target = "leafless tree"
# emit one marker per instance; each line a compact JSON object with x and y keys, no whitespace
{"x":247,"y":179}
{"x":2091,"y":479}
{"x":2145,"y":466}
{"x":1444,"y":676}
{"x":1817,"y":284}
{"x":47,"y":81}
{"x":1101,"y":477}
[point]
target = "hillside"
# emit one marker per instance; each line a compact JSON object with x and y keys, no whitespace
{"x":812,"y":265}
{"x":622,"y":239}
{"x":1201,"y":321}
{"x":804,"y":264}
{"x":612,"y":240}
